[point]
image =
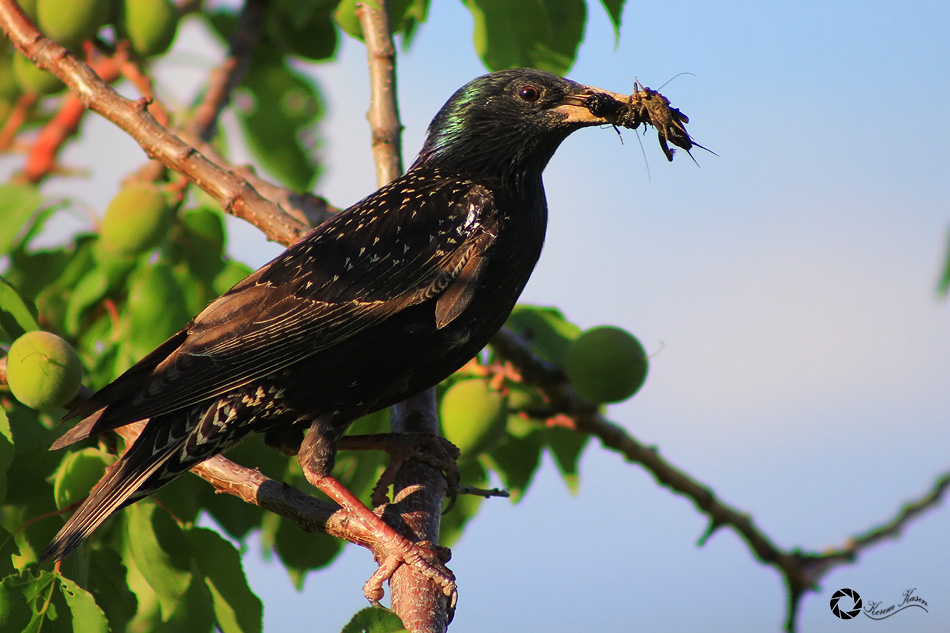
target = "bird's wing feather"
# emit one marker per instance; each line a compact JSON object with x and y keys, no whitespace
{"x":318,"y":293}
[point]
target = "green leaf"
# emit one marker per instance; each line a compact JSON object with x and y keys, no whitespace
{"x":299,"y":551}
{"x":160,"y":552}
{"x":53,"y":300}
{"x":29,"y":493}
{"x":233,"y":272}
{"x":236,"y":608}
{"x":17,"y":203}
{"x":86,"y":614}
{"x":33,"y":271}
{"x":15,"y":613}
{"x":943,"y":286}
{"x":404,"y":15}
{"x":302,"y":28}
{"x":156,"y":307}
{"x":416,"y":13}
{"x":516,"y":460}
{"x":545,"y":328}
{"x":8,"y":548}
{"x":541,"y":34}
{"x":614,"y":10}
{"x":566,"y":445}
{"x":49,"y":603}
{"x":374,"y":620}
{"x":15,"y":610}
{"x":6,"y":444}
{"x":109,"y":583}
{"x":277,"y":111}
{"x":16,"y":314}
{"x":193,"y":613}
{"x":87,"y":293}
{"x":197,"y":246}
{"x":35,"y":224}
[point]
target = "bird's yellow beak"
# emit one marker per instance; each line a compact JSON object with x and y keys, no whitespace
{"x":592,"y":106}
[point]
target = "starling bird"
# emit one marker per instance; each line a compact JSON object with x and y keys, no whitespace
{"x":382,"y":301}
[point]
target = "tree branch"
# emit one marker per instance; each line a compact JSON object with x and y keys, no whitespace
{"x":41,"y":160}
{"x":234,"y":193}
{"x":801,"y":570}
{"x":228,"y":75}
{"x":416,"y":599}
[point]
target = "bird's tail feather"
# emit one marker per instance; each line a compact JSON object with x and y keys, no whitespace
{"x":124,"y":480}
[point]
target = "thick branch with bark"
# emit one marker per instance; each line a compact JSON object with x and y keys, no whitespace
{"x":416,"y":599}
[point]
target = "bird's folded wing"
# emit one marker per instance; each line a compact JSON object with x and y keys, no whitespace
{"x":329,"y":287}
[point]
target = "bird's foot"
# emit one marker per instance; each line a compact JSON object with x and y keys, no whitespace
{"x":427,"y":559}
{"x":390,"y":548}
{"x":428,"y":448}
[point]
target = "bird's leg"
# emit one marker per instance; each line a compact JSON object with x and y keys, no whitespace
{"x":390,"y":548}
{"x":429,"y":448}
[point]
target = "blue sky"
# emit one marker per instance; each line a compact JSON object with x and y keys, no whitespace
{"x":786,"y":287}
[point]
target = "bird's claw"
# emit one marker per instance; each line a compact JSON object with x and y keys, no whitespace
{"x":425,"y":558}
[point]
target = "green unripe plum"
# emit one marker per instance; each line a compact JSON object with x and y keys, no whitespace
{"x":474,"y":416}
{"x":136,"y":220}
{"x":77,"y":474}
{"x":29,"y":8}
{"x":9,"y":86}
{"x":35,"y":80}
{"x":72,"y":22}
{"x":43,"y":370}
{"x":606,"y":364}
{"x":151,"y":25}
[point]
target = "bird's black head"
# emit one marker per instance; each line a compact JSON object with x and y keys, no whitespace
{"x":507,"y":123}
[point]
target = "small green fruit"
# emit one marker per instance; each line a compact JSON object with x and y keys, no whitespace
{"x":43,"y":370}
{"x":151,"y":25}
{"x":72,"y":22}
{"x":9,"y":86}
{"x":77,"y":474}
{"x":29,"y":8}
{"x":136,"y":220}
{"x":606,"y":364}
{"x":474,"y":416}
{"x":33,"y":79}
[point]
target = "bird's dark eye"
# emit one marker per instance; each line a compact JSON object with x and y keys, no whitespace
{"x":530,"y":94}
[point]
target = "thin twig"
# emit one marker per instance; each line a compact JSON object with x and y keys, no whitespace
{"x":483,"y":492}
{"x":228,"y":75}
{"x":21,"y":111}
{"x":41,"y":160}
{"x":801,"y":570}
